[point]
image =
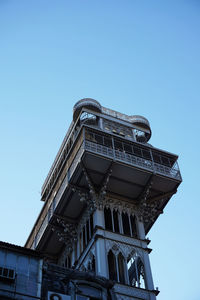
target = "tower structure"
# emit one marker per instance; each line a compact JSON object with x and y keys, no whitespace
{"x":104,"y":191}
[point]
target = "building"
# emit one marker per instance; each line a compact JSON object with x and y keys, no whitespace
{"x":20,"y":273}
{"x":105,"y":190}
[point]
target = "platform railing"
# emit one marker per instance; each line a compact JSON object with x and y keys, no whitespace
{"x":131,"y":159}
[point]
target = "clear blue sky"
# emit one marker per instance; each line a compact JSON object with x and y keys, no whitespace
{"x":135,"y":56}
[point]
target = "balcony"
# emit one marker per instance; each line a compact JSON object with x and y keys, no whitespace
{"x":133,"y":160}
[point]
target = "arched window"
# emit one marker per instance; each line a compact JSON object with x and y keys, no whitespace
{"x":133,"y":226}
{"x":141,"y":273}
{"x":136,"y":272}
{"x":108,"y":218}
{"x":112,"y":266}
{"x":126,"y":225}
{"x":121,"y":265}
{"x":116,"y":220}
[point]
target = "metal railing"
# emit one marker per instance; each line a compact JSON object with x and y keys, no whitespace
{"x":131,"y":159}
{"x":75,"y":161}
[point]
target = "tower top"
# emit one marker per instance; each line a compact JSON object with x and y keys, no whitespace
{"x":94,"y":105}
{"x":87,"y":103}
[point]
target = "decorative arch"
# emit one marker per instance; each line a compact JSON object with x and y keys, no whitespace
{"x":136,"y":271}
{"x":125,"y":249}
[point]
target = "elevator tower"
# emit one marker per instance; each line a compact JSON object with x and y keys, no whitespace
{"x":105,"y":190}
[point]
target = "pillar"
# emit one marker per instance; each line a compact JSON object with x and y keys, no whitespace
{"x":100,"y":249}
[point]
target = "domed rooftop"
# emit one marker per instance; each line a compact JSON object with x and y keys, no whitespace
{"x":144,"y":123}
{"x":88,"y":103}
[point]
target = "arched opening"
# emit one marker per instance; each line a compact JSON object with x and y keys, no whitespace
{"x":108,"y":218}
{"x":141,"y":273}
{"x":116,"y":220}
{"x":121,"y":265}
{"x":126,"y":225}
{"x":112,"y":266}
{"x":136,"y":272}
{"x":133,"y":226}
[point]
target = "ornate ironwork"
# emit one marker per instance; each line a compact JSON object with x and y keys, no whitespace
{"x":66,"y":232}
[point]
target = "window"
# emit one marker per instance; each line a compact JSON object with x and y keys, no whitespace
{"x":8,"y":274}
{"x":126,"y":225}
{"x":112,"y":266}
{"x":140,"y":136}
{"x":156,"y":158}
{"x":137,"y":151}
{"x":108,"y":218}
{"x":116,"y":220}
{"x":128,"y":148}
{"x":133,"y":226}
{"x":108,"y":142}
{"x":88,"y":119}
{"x":121,"y":264}
{"x":146,"y":154}
{"x":118,"y":145}
{"x":113,"y":219}
{"x":99,"y":139}
{"x":136,"y":272}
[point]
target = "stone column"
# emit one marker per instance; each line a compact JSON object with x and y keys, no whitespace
{"x":98,"y":218}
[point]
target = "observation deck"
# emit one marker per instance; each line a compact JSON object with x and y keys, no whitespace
{"x":102,"y":141}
